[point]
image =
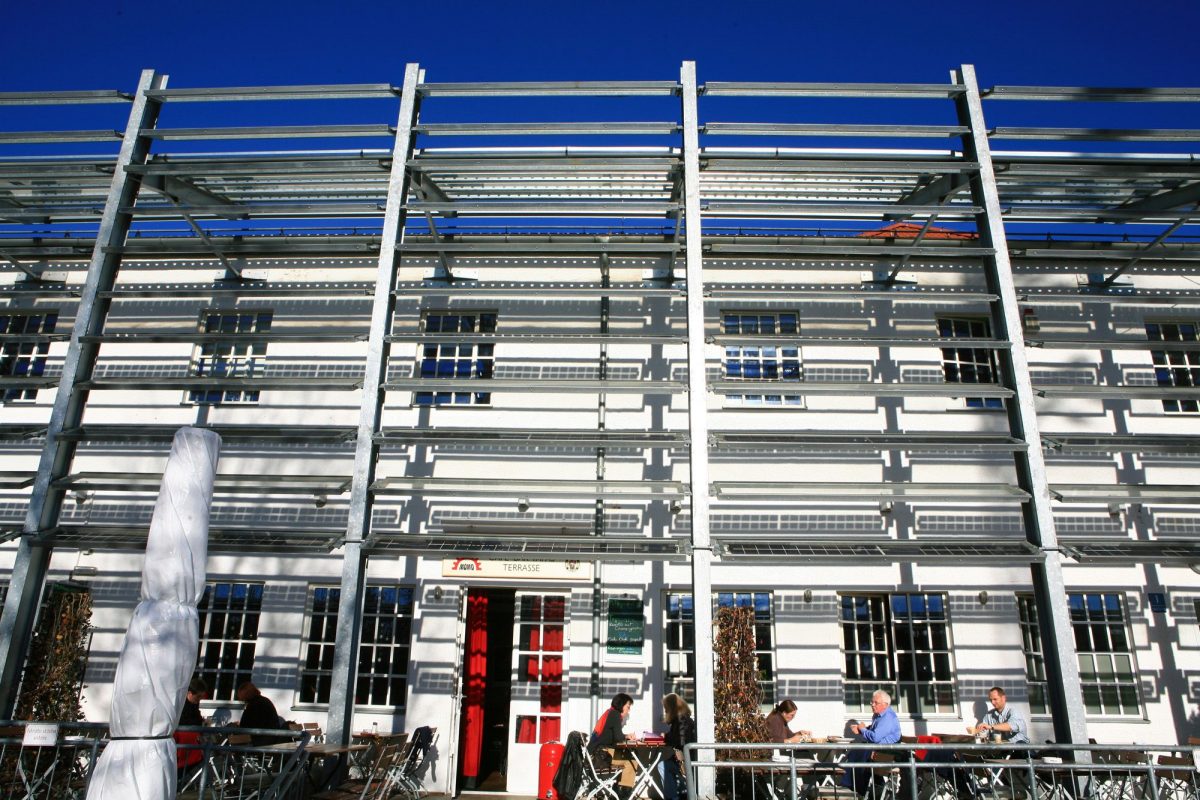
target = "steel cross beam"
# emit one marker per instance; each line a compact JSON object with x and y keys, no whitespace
{"x":45,"y":502}
{"x":1062,"y":667}
{"x":366,"y":450}
{"x":702,"y":552}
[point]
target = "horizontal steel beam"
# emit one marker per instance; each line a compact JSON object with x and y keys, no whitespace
{"x":347,"y":91}
{"x":1093,"y":94}
{"x":898,"y":90}
{"x":546,"y":128}
{"x":817,"y":129}
{"x":551,"y":89}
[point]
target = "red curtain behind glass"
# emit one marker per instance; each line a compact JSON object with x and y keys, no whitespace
{"x":476,"y":678}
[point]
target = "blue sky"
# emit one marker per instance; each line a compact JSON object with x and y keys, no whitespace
{"x":52,"y":44}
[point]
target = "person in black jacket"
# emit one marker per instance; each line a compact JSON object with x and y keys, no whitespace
{"x":259,"y":713}
{"x":682,"y":731}
{"x":609,"y":728}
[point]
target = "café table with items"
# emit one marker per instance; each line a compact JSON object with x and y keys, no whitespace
{"x":644,"y":755}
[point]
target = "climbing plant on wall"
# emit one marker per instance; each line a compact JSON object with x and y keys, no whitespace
{"x":57,"y":656}
{"x":737,"y":695}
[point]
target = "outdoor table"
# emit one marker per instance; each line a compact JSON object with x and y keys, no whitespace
{"x":645,"y":759}
{"x":325,"y":751}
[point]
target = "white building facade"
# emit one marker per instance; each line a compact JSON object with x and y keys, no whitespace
{"x":495,"y":414}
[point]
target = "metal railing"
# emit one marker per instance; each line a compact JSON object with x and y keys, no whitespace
{"x":941,"y":771}
{"x":55,"y":761}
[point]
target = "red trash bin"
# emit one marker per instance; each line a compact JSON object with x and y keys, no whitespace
{"x":548,"y":758}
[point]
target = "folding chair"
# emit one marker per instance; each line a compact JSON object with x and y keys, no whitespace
{"x":1178,"y":781}
{"x":407,"y":777}
{"x":376,"y":783}
{"x":597,"y":782}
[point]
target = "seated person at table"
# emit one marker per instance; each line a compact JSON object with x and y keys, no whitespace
{"x":259,"y":713}
{"x":777,"y":724}
{"x":678,"y":715}
{"x":609,"y":728}
{"x":608,"y":733}
{"x":884,"y":729}
{"x":1010,"y":725}
{"x":1003,"y":719}
{"x":190,"y":717}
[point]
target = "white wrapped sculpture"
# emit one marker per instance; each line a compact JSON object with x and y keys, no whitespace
{"x":159,"y":654}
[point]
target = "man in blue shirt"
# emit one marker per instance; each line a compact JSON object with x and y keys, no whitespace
{"x":884,"y":729}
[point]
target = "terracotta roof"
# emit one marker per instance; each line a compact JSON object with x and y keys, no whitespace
{"x":909,"y":230}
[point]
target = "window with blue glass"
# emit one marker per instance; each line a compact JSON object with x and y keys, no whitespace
{"x":21,"y":355}
{"x":759,"y":360}
{"x":1107,"y":670}
{"x":900,"y":643}
{"x":384,"y":644}
{"x":458,"y":360}
{"x":1179,"y":366}
{"x":680,"y":673}
{"x":969,"y":364}
{"x":232,"y":357}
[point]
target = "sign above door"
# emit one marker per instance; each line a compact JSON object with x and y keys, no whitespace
{"x":516,"y":569}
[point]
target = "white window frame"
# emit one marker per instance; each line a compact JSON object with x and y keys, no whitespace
{"x":1176,"y":368}
{"x":229,"y":358}
{"x":882,"y":630}
{"x":769,"y":369}
{"x":1035,"y":659}
{"x":320,"y":633}
{"x":24,"y":359}
{"x":958,"y":362}
{"x":223,"y":681}
{"x":679,"y":672}
{"x":1103,"y":648}
{"x":441,"y":349}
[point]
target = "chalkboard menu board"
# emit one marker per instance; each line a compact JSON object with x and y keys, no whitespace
{"x":626,"y":627}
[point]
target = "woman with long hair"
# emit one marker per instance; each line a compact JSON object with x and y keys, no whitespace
{"x":778,"y":724}
{"x":682,"y":731}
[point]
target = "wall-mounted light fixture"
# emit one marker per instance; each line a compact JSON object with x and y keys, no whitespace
{"x":808,"y":595}
{"x":675,"y":507}
{"x":81,"y":497}
{"x":438,"y":593}
{"x":886,"y":507}
{"x":522,"y":504}
{"x":983,"y":597}
{"x":319,"y":500}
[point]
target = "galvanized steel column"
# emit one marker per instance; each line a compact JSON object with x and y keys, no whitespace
{"x":1058,"y":641}
{"x":697,"y":410}
{"x":354,"y":558}
{"x":45,"y":502}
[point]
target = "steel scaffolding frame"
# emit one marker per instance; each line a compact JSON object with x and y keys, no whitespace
{"x":599,"y":209}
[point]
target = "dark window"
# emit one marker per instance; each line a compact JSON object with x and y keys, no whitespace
{"x":1107,"y":671}
{"x":229,"y":615}
{"x":1035,"y":661}
{"x":680,"y":673}
{"x":459,"y":360}
{"x":1176,"y":368}
{"x":969,"y":364}
{"x":759,"y":361}
{"x":24,"y":359}
{"x":230,"y":358}
{"x":384,"y":643}
{"x":899,"y":643}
